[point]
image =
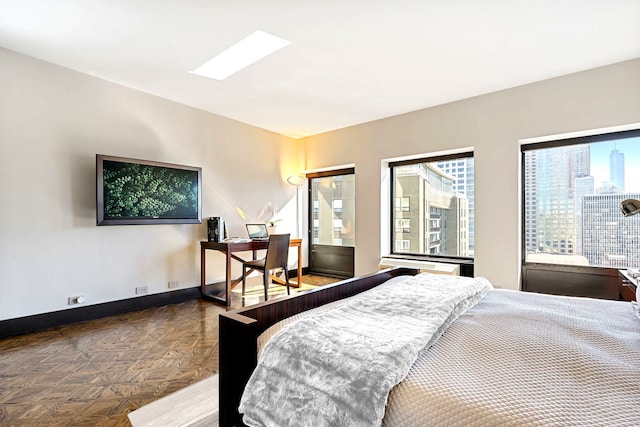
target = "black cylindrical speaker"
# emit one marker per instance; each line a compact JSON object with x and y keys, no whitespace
{"x":215,"y":229}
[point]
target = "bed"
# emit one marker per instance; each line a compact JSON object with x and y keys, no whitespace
{"x":513,"y":358}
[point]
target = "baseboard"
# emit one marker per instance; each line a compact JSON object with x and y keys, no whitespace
{"x":39,"y":322}
{"x":294,"y":272}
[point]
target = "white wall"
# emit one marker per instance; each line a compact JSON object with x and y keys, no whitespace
{"x":493,"y":124}
{"x":53,"y":121}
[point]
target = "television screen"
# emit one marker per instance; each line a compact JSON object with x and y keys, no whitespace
{"x":130,"y":191}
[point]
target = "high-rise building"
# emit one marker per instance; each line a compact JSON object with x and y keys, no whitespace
{"x":531,"y":202}
{"x":429,"y":218}
{"x":462,"y":171}
{"x":333,"y":210}
{"x":585,"y":186}
{"x":550,"y":181}
{"x":616,"y":169}
{"x":608,"y":238}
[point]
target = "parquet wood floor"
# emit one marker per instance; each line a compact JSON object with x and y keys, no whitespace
{"x":94,"y":373}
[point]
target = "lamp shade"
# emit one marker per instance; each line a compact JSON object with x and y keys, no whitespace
{"x":630,"y":207}
{"x":296,"y":180}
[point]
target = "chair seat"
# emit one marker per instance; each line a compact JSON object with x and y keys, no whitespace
{"x":259,"y":263}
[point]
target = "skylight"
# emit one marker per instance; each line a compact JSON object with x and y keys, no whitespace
{"x":247,"y":51}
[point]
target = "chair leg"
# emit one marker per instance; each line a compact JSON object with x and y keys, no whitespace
{"x":244,"y":272}
{"x":265,"y":278}
{"x":286,"y":276}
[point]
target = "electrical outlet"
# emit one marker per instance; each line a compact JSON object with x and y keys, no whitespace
{"x":140,"y":290}
{"x":173,"y":284}
{"x":76,"y":300}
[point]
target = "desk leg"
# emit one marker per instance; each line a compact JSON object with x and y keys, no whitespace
{"x":299,"y":278}
{"x":228,"y":278}
{"x":202,"y":271}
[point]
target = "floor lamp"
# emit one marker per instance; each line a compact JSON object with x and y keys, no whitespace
{"x":630,"y":207}
{"x":297,"y":181}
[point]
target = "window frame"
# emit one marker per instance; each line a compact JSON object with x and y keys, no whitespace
{"x":392,"y":209}
{"x":313,"y":207}
{"x":550,"y":268}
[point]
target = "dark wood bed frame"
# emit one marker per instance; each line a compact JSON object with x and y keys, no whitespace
{"x":239,"y":331}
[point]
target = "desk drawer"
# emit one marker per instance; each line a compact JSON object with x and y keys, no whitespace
{"x":627,"y":291}
{"x":627,"y":286}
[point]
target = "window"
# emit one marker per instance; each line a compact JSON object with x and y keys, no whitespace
{"x":572,"y":190}
{"x":403,"y":225}
{"x":403,"y":204}
{"x":436,"y":196}
{"x":333,"y":209}
{"x":404,"y":245}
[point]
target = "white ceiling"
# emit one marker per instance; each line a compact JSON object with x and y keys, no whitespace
{"x":349,"y":61}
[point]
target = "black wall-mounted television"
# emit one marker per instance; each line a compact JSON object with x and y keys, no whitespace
{"x":131,"y":191}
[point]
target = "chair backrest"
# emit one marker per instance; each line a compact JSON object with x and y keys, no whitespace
{"x":277,"y":251}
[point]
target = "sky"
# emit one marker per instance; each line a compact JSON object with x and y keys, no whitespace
{"x":630,"y":147}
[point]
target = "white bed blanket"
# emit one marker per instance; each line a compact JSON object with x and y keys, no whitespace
{"x":336,"y":368}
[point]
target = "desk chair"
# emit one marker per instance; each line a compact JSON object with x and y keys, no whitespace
{"x":277,"y":257}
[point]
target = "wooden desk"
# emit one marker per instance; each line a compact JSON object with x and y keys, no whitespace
{"x":224,"y":295}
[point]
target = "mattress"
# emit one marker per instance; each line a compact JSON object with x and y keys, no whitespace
{"x":520,"y":358}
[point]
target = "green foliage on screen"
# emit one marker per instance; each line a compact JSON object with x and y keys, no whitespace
{"x":135,"y":190}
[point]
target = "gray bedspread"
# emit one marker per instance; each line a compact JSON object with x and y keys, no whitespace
{"x":524,"y":359}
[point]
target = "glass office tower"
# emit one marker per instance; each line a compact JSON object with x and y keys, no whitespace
{"x":551,"y":181}
{"x":462,"y":171}
{"x":616,"y":169}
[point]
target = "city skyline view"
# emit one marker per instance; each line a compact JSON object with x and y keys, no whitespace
{"x":572,"y":198}
{"x":600,"y":153}
{"x":433,"y":206}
